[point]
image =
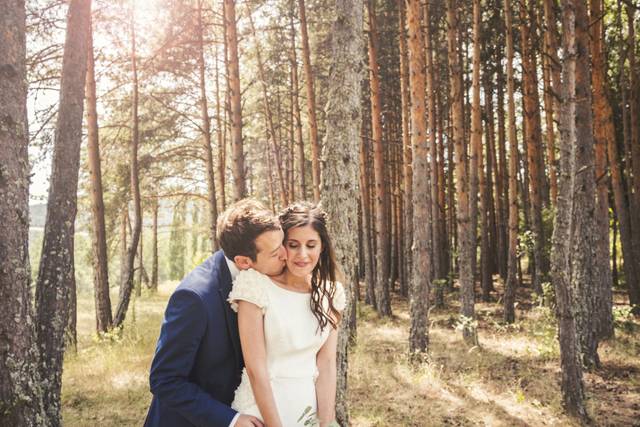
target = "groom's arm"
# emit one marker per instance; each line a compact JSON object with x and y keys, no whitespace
{"x":182,"y":331}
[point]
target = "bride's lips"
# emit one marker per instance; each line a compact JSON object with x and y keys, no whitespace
{"x":301,"y":264}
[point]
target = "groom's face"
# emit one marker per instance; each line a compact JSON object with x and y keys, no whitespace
{"x":271,"y":254}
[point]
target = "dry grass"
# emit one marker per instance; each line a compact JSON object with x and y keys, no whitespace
{"x":512,"y":379}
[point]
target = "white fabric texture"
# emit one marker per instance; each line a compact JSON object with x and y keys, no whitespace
{"x":292,"y":339}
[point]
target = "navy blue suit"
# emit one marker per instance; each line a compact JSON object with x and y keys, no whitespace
{"x":198,"y":360}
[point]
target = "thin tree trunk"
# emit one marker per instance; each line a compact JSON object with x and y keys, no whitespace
{"x":311,"y":102}
{"x":239,"y":180}
{"x":502,"y":181}
{"x":206,"y":137}
{"x":406,"y":152}
{"x":420,"y":279}
{"x":465,"y":233}
{"x":603,"y":316}
{"x":56,"y":272}
{"x":533,"y":139}
{"x":100,"y":254}
{"x":475,"y":139}
{"x":340,"y":176}
{"x":511,"y":283}
{"x":20,"y":385}
{"x":365,"y":196}
{"x":381,"y":226}
{"x":551,"y":69}
{"x":438,"y":269}
{"x":296,"y":110}
{"x":222,"y":146}
{"x":127,"y":283}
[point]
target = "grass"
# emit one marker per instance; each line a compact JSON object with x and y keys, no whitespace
{"x":511,"y":379}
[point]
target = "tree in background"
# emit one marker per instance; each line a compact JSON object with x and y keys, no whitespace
{"x":56,"y":278}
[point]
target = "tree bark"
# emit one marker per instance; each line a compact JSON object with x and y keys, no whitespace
{"x":551,"y":69}
{"x":383,"y":248}
{"x":222,"y":146}
{"x":154,"y":247}
{"x":56,"y":273}
{"x":572,"y":384}
{"x":421,"y":248}
{"x":206,"y":137}
{"x":533,"y":138}
{"x":302,"y":189}
{"x":584,"y":246}
{"x":20,"y":386}
{"x":465,"y":233}
{"x":340,"y":177}
{"x":100,"y":254}
{"x":239,"y":181}
{"x":311,"y":102}
{"x":512,"y":261}
{"x":127,"y":279}
{"x":406,"y":151}
{"x":603,"y":316}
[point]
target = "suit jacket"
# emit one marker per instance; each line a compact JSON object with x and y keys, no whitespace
{"x":198,"y":360}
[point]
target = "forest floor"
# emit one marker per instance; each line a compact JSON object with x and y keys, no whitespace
{"x":511,"y":379}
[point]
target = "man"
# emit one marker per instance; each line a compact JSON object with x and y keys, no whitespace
{"x":198,"y":360}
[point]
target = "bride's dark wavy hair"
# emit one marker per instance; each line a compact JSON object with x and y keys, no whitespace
{"x":324,"y":274}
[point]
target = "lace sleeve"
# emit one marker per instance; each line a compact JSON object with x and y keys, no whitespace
{"x":249,"y":285}
{"x":339,"y":298}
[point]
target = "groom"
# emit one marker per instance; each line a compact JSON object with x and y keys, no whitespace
{"x":198,"y":360}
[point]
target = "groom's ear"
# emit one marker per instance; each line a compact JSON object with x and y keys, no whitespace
{"x":243,"y":262}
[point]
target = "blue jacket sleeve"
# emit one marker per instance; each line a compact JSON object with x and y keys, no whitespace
{"x":182,"y":331}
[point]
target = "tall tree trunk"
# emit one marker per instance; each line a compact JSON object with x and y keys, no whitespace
{"x":271,"y":131}
{"x":340,"y":176}
{"x":438,"y":266}
{"x":56,"y":273}
{"x":365,"y":197}
{"x":222,"y":146}
{"x":533,"y":138}
{"x":421,"y":271}
{"x":100,"y":254}
{"x":572,"y":384}
{"x":296,"y":109}
{"x":127,"y":283}
{"x":206,"y":137}
{"x":20,"y":385}
{"x":603,"y":316}
{"x":634,"y":121}
{"x":475,"y":143}
{"x":551,"y":68}
{"x":502,"y":179}
{"x":239,"y":181}
{"x":511,"y":283}
{"x":584,"y":237}
{"x":406,"y":152}
{"x":311,"y":102}
{"x":465,"y":233}
{"x":381,"y":226}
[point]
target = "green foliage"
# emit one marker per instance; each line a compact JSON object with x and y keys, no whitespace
{"x":623,"y":317}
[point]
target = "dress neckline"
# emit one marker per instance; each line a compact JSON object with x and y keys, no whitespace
{"x":288,"y":290}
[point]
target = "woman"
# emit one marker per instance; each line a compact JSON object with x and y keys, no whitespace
{"x":288,"y":328}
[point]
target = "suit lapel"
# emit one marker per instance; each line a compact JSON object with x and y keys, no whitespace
{"x":230,"y":316}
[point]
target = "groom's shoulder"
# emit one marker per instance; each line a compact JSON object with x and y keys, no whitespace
{"x":206,"y":277}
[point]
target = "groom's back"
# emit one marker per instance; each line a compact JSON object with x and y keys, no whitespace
{"x":198,"y":354}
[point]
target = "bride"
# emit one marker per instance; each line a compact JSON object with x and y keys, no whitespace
{"x":288,"y":328}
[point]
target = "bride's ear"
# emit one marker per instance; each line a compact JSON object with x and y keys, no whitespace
{"x":243,"y":262}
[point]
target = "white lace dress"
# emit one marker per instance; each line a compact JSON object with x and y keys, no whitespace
{"x":292,"y":340}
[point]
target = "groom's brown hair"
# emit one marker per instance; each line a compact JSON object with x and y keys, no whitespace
{"x":239,"y":226}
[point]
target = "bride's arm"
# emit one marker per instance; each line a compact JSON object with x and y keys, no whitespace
{"x":326,"y":382}
{"x":251,"y":326}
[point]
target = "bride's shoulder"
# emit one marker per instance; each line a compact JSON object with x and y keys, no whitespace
{"x":249,"y":285}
